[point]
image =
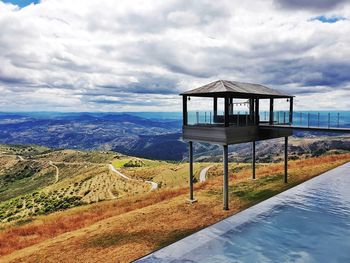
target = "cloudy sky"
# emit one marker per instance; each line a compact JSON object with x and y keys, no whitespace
{"x":126,"y":55}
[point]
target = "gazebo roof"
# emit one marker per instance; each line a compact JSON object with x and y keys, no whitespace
{"x":223,"y":88}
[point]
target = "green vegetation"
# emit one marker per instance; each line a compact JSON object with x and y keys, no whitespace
{"x":24,"y":150}
{"x":36,"y":203}
{"x":77,"y":156}
{"x":124,"y":161}
{"x":21,"y":177}
{"x":134,"y":163}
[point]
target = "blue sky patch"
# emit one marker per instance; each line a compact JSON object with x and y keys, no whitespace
{"x":328,"y":19}
{"x":21,"y":3}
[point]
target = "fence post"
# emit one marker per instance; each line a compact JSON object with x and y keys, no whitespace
{"x":210,"y":117}
{"x":237,"y":118}
{"x":284,"y":117}
{"x":197,"y":117}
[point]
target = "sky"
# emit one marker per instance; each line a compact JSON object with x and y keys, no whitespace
{"x":128,"y":55}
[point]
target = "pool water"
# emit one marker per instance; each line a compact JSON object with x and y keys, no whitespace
{"x":308,"y":223}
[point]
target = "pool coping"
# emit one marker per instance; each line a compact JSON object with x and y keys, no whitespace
{"x":199,"y":238}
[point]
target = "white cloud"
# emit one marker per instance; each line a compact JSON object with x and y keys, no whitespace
{"x":138,"y":55}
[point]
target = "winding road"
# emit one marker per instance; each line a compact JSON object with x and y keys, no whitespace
{"x":203,"y":173}
{"x":50,"y":164}
{"x":57,"y":171}
{"x":154,"y":185}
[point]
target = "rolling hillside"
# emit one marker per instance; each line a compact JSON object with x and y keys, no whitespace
{"x":124,"y":229}
{"x":37,"y":180}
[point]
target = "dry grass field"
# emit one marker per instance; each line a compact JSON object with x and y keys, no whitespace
{"x":122,"y":230}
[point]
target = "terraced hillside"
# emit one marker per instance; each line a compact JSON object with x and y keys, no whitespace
{"x":37,"y":180}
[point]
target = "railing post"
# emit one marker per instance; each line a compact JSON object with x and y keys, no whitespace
{"x":291,"y":111}
{"x":215,"y":107}
{"x":318,"y":119}
{"x":205,"y":117}
{"x":237,"y":118}
{"x":271,"y":112}
{"x":210,"y":117}
{"x":197,"y":118}
{"x":184,"y":111}
{"x":246,"y":119}
{"x":329,"y":120}
{"x":226,"y":112}
{"x":284,"y":117}
{"x":256,"y":113}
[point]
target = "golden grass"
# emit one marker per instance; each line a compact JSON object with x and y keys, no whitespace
{"x":123,"y":230}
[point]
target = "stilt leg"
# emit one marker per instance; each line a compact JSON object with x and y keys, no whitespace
{"x":191,"y":199}
{"x":285,"y":159}
{"x":253,"y":153}
{"x":225,"y":188}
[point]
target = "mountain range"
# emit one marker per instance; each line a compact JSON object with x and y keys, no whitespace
{"x":147,"y":135}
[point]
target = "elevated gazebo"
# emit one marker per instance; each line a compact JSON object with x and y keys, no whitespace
{"x":230,"y":127}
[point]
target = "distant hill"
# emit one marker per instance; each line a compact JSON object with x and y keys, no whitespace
{"x":273,"y":150}
{"x":96,"y":131}
{"x":147,"y":135}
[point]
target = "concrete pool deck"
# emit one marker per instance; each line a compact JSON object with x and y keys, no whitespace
{"x":176,"y":251}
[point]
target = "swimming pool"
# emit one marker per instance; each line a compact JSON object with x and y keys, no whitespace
{"x":308,"y":223}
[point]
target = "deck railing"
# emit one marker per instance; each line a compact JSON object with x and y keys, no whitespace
{"x":239,"y":118}
{"x":201,"y":117}
{"x":314,"y":119}
{"x":300,"y":118}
